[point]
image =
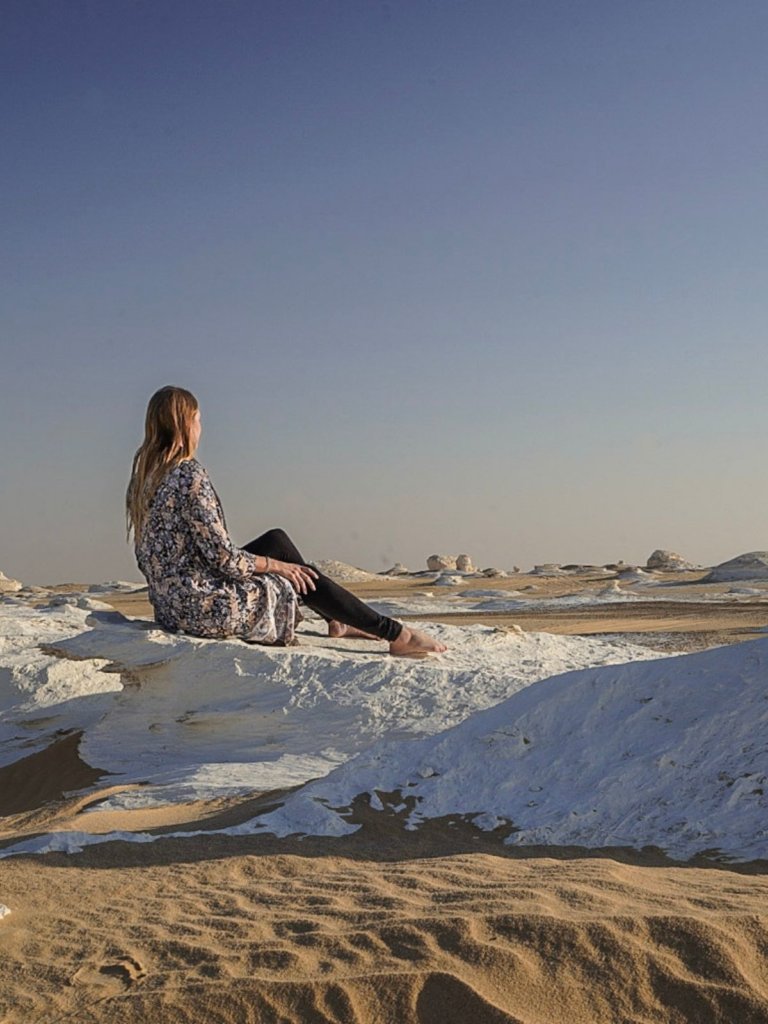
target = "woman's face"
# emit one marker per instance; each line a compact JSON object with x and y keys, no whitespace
{"x":195,"y":430}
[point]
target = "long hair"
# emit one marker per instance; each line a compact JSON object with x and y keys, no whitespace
{"x":167,"y":442}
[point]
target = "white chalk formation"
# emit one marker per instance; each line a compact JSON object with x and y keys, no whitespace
{"x":199,"y":718}
{"x":437,"y":563}
{"x":398,"y":569}
{"x":342,"y":572}
{"x":630,"y":755}
{"x":450,"y":563}
{"x":751,"y":566}
{"x":668,"y":561}
{"x":9,"y":586}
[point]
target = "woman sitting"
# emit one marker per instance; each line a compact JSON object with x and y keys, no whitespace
{"x":199,"y":582}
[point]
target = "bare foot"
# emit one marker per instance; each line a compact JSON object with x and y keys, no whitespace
{"x":412,"y":643}
{"x":338,"y":629}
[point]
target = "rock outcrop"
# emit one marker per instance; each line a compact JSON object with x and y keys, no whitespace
{"x":668,"y":561}
{"x":547,"y":569}
{"x":458,"y":563}
{"x":343,"y":572}
{"x":398,"y":569}
{"x":448,"y":579}
{"x":437,"y":563}
{"x":8,"y":586}
{"x":751,"y":566}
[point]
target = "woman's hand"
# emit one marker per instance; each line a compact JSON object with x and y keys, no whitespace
{"x":301,"y":577}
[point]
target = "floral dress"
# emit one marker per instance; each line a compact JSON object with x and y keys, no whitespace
{"x":199,"y":582}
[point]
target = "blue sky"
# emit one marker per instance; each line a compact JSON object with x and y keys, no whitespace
{"x":484,"y":277}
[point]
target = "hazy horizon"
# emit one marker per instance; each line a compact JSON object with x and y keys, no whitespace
{"x":449,"y":278}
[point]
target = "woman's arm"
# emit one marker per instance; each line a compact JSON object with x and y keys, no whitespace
{"x":201,"y":510}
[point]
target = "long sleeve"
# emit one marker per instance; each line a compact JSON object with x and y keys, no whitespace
{"x":201,"y":510}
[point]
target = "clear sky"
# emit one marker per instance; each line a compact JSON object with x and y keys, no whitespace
{"x":483,"y":277}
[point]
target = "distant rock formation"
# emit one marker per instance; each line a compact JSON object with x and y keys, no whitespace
{"x":667,"y":561}
{"x":634,"y":574}
{"x":437,"y":563}
{"x":582,"y":569}
{"x":547,"y":569}
{"x":342,"y":571}
{"x":398,"y":569}
{"x":8,"y":586}
{"x":447,"y":579}
{"x":751,"y":566}
{"x":464,"y":563}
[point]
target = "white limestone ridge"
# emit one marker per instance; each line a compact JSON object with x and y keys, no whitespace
{"x":751,"y":566}
{"x":179,"y":712}
{"x":640,"y":750}
{"x":671,"y":753}
{"x":343,"y":572}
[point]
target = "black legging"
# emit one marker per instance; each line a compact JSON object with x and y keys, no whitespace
{"x":328,"y":599}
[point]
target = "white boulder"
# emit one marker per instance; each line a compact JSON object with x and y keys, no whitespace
{"x":8,"y":586}
{"x":437,"y":563}
{"x":464,"y":563}
{"x":667,"y":561}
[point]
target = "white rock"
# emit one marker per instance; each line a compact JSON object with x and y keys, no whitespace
{"x":121,"y":586}
{"x":4,"y":911}
{"x":8,"y":586}
{"x":751,"y":566}
{"x":665,"y":771}
{"x":344,"y":572}
{"x":398,"y":569}
{"x":667,"y":561}
{"x":92,"y":605}
{"x":201,"y":718}
{"x":636,"y":576}
{"x":436,"y":563}
{"x":448,"y":579}
{"x":612,"y":588}
{"x":464,"y":563}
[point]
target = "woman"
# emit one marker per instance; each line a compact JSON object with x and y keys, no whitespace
{"x":199,"y":582}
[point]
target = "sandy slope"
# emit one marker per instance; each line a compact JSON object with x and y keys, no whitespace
{"x":217,"y":932}
{"x":443,"y":926}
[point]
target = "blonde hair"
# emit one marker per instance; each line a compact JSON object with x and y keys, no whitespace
{"x":167,"y":442}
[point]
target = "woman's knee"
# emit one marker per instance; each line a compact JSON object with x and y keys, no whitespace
{"x":277,"y":536}
{"x":279,"y":542}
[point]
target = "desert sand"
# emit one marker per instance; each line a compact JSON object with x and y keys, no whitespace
{"x":443,"y":925}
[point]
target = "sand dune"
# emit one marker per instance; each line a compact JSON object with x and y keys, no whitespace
{"x":232,"y":936}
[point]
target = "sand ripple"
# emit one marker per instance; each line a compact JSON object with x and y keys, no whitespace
{"x":436,"y":940}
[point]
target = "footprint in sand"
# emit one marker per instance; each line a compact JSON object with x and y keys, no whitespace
{"x":114,"y":976}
